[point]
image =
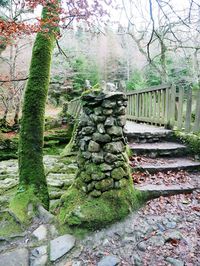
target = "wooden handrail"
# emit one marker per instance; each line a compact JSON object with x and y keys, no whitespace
{"x":153,"y":88}
{"x":166,"y":105}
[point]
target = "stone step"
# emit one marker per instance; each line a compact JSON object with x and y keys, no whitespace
{"x":166,"y":190}
{"x":143,"y":133}
{"x":172,"y":164}
{"x":154,"y":150}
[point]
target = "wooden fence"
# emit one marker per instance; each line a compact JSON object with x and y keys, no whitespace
{"x":74,"y":107}
{"x":166,"y":105}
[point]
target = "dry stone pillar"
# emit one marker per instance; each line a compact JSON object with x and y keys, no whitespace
{"x":103,"y":189}
{"x":102,"y":160}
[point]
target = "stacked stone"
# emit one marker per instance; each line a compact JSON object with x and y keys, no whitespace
{"x":102,"y":158}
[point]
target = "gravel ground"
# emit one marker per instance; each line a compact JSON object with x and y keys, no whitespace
{"x":164,"y":232}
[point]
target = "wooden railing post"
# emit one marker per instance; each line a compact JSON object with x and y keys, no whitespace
{"x":188,"y":110}
{"x":180,"y":108}
{"x":172,"y":105}
{"x":196,"y":127}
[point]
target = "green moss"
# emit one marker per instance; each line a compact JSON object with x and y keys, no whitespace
{"x":31,"y":168}
{"x":192,"y":141}
{"x":8,"y":225}
{"x":20,"y":203}
{"x":79,"y":210}
{"x":129,"y":152}
{"x":95,"y":90}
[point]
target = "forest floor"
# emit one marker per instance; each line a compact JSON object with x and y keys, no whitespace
{"x":163,"y":232}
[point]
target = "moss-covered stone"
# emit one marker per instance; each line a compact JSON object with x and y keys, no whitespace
{"x":8,"y":225}
{"x":118,"y":173}
{"x":104,"y":184}
{"x":24,"y":203}
{"x":98,"y":176}
{"x":79,"y":210}
{"x":192,"y":140}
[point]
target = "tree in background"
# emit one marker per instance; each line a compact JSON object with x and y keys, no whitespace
{"x":164,"y":30}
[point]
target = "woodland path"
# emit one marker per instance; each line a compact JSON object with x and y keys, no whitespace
{"x":164,"y":232}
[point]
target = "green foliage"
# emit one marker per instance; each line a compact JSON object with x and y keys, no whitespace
{"x":192,"y":140}
{"x":152,"y":76}
{"x":136,"y":81}
{"x":84,"y":69}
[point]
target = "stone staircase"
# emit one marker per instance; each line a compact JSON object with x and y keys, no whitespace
{"x":156,"y":152}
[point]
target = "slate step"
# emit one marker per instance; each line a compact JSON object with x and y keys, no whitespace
{"x":143,"y":133}
{"x":172,"y":164}
{"x":166,"y":190}
{"x":157,"y":149}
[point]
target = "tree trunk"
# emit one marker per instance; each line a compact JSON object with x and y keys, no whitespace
{"x":31,"y":168}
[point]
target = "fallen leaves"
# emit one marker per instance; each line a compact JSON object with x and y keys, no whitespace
{"x":160,"y":178}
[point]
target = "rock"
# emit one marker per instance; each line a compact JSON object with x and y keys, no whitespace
{"x":121,"y":120}
{"x":17,"y":257}
{"x":105,"y":184}
{"x":137,"y":260}
{"x":98,"y":111}
{"x":105,"y":167}
{"x":97,"y":157}
{"x":110,"y":158}
{"x":118,"y":173}
{"x":53,"y":231}
{"x":56,"y":194}
{"x":170,"y":235}
{"x":109,"y":121}
{"x":90,"y":186}
{"x":107,"y":111}
{"x":156,"y":241}
{"x":86,"y":177}
{"x":8,"y":183}
{"x":98,"y":176}
{"x":95,"y":193}
{"x":97,"y":118}
{"x":44,"y":215}
{"x":108,"y":104}
{"x":174,"y":262}
{"x":171,"y":225}
{"x":101,"y":129}
{"x":39,"y":256}
{"x":121,"y":110}
{"x":142,"y":246}
{"x":85,"y":120}
{"x":40,"y":233}
{"x":109,"y":261}
{"x":87,"y":130}
{"x":77,"y":263}
{"x":101,"y":138}
{"x":128,"y":239}
{"x":60,"y":246}
{"x":86,"y":154}
{"x":93,"y":146}
{"x":114,"y":131}
{"x":55,"y":183}
{"x":114,"y":147}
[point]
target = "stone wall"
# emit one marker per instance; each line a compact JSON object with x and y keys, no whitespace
{"x":102,"y":158}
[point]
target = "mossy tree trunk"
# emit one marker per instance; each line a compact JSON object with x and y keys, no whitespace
{"x":31,"y":168}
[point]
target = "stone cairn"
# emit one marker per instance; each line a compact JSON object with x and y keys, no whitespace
{"x":102,"y":158}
